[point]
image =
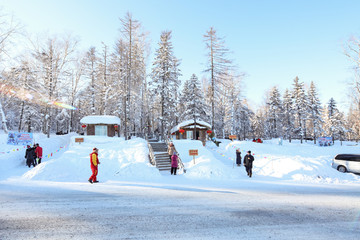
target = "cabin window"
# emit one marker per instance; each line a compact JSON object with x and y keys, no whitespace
{"x":101,"y":130}
{"x":189,"y":134}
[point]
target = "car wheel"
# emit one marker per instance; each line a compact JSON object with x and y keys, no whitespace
{"x":342,"y":169}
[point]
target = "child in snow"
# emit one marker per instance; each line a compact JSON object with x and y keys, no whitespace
{"x":174,"y":163}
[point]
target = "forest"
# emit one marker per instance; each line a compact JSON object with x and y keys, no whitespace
{"x":52,"y":84}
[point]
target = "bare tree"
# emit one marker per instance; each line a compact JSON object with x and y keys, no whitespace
{"x":352,"y":51}
{"x":8,"y":28}
{"x":53,"y":57}
{"x":218,"y":65}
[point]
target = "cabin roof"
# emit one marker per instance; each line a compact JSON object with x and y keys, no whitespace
{"x":191,"y":124}
{"x":100,"y":119}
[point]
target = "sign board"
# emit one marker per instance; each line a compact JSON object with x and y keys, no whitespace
{"x":193,"y":152}
{"x":325,"y":141}
{"x":20,"y":138}
{"x":79,"y":140}
{"x":232,"y":137}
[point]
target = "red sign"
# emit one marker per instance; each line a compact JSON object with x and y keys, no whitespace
{"x":193,"y":152}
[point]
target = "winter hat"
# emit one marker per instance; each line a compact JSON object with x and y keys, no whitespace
{"x":249,"y":151}
{"x":174,"y":153}
{"x":95,"y":149}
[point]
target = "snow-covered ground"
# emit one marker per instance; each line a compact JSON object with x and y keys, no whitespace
{"x":294,"y":192}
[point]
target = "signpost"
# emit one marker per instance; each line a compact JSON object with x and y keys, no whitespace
{"x":232,"y":137}
{"x":193,"y":152}
{"x":79,"y":140}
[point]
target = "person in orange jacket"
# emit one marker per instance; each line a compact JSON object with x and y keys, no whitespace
{"x":94,"y":162}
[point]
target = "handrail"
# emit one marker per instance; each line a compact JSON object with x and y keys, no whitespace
{"x":151,"y":154}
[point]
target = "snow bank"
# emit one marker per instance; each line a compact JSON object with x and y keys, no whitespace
{"x":290,"y":161}
{"x":67,"y":161}
{"x":119,"y":159}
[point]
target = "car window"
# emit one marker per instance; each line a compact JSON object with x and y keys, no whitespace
{"x":355,"y":158}
{"x":348,"y":157}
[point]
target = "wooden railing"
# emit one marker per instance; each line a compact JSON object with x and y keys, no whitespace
{"x":151,"y":155}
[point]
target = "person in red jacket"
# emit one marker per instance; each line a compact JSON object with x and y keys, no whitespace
{"x":38,"y":152}
{"x":94,"y":162}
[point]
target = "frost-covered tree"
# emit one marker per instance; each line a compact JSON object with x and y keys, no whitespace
{"x":353,"y":124}
{"x":334,"y":122}
{"x":192,"y":100}
{"x":275,"y":113}
{"x":300,"y":108}
{"x":165,"y":82}
{"x":242,"y":120}
{"x":352,"y":51}
{"x":314,"y":113}
{"x":289,"y":116}
{"x":91,"y":72}
{"x":8,"y":29}
{"x":130,"y":71}
{"x":258,"y":123}
{"x":53,"y":57}
{"x":218,"y":66}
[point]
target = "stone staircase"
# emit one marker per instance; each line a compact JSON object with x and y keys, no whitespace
{"x":160,"y":155}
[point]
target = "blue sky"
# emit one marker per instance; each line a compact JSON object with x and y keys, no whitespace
{"x":271,"y":41}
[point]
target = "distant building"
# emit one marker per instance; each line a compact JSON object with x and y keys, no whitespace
{"x":101,"y":125}
{"x":185,"y":130}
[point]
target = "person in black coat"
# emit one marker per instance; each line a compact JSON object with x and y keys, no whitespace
{"x":248,"y":163}
{"x":238,"y":157}
{"x":30,"y":156}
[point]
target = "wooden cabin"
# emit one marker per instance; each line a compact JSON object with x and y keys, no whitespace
{"x":97,"y":125}
{"x":186,"y":130}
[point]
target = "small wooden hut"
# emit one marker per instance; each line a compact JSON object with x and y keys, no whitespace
{"x":105,"y":125}
{"x":187,"y":129}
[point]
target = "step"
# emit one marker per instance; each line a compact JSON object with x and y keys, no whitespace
{"x":163,"y":165}
{"x":164,"y":169}
{"x":162,"y":156}
{"x":162,"y":160}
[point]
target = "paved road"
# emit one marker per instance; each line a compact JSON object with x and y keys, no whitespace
{"x":125,"y":210}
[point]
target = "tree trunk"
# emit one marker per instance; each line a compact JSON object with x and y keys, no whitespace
{"x":3,"y":118}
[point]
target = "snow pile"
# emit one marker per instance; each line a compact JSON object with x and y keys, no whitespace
{"x":290,"y":161}
{"x":12,"y":160}
{"x":119,"y":159}
{"x":67,"y":161}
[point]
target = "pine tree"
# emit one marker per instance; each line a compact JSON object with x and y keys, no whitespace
{"x":315,"y":110}
{"x":192,"y":99}
{"x":92,"y":61}
{"x":335,"y":123}
{"x":165,"y":82}
{"x":289,"y":116}
{"x":275,"y":113}
{"x":300,"y":108}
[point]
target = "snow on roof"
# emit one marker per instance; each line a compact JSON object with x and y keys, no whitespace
{"x":103,"y":119}
{"x":189,"y":122}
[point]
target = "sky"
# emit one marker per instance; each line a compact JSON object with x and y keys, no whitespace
{"x":271,"y":41}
